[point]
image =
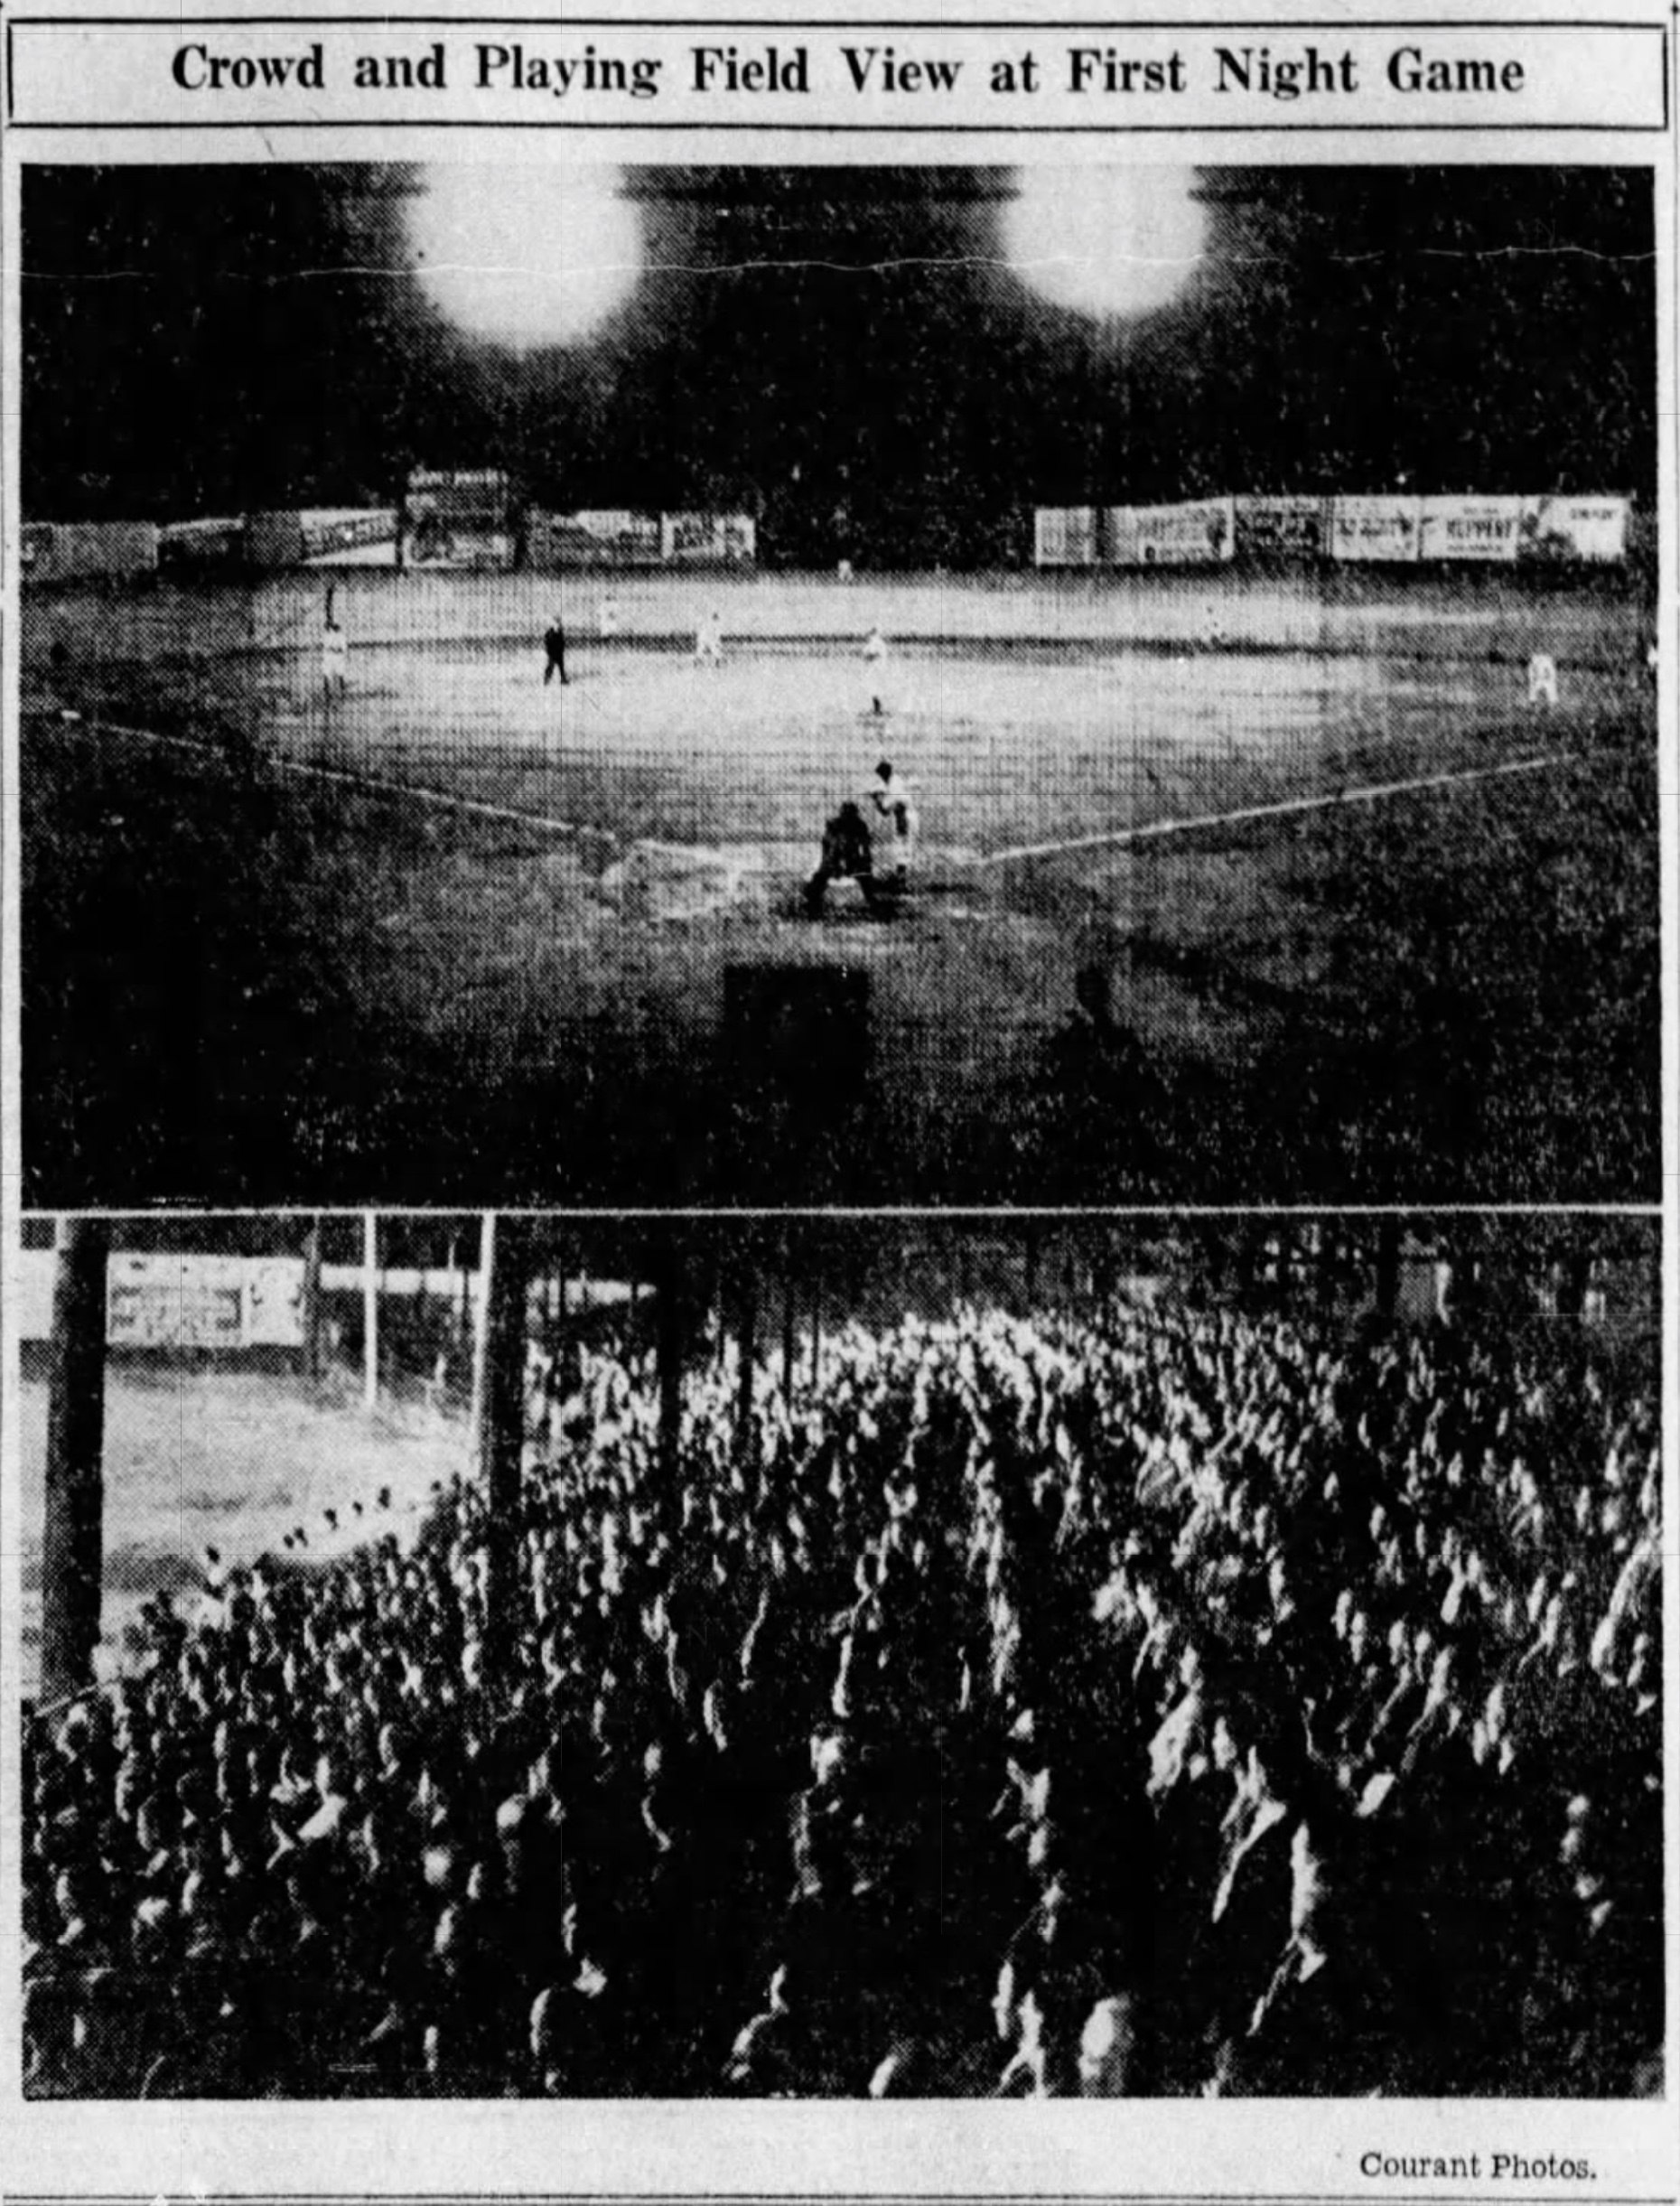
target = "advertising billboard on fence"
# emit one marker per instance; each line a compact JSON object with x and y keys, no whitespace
{"x":322,"y":536}
{"x":608,"y":538}
{"x":1487,"y":531}
{"x":1384,"y":528}
{"x":1566,"y":529}
{"x":458,"y":518}
{"x":708,"y":540}
{"x":1282,"y":527}
{"x":178,"y":1301}
{"x":204,"y":1302}
{"x":87,"y":551}
{"x":202,"y":546}
{"x":1064,"y":536}
{"x":1199,"y":533}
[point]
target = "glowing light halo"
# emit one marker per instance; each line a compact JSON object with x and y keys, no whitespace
{"x":525,"y":256}
{"x":1115,"y":242}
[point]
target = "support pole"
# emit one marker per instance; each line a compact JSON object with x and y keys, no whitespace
{"x":1216,"y":1256}
{"x":787,"y":1340}
{"x":465,"y":1320}
{"x":746,"y":1340}
{"x":73,"y":1545}
{"x":499,"y":1426}
{"x":671,"y":1318}
{"x":1388,"y":1296}
{"x":369,"y":1309}
{"x":1103,"y":1268}
{"x":309,"y":1309}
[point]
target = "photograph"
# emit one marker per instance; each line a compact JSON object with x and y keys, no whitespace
{"x":569,"y":684}
{"x":519,"y":1656}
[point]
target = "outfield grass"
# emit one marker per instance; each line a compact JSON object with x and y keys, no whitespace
{"x":199,"y":1457}
{"x":1350,"y":611}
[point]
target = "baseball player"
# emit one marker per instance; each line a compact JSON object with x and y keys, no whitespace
{"x":894,"y":826}
{"x":334,"y":656}
{"x":709,"y":642}
{"x":554,"y":647}
{"x":1543,"y":679}
{"x":607,"y":617}
{"x":847,"y":855}
{"x":874,"y":663}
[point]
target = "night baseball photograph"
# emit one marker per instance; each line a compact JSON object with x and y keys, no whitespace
{"x":795,"y":685}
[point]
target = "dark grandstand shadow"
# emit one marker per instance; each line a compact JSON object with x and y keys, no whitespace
{"x":197,"y":1022}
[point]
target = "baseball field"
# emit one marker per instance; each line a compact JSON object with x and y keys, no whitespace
{"x":1222,"y":887}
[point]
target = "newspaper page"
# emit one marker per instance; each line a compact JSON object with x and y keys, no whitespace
{"x":839,"y":1102}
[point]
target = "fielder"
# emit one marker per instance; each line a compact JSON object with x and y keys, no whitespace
{"x":874,"y":664}
{"x":709,"y":642}
{"x":334,"y":657}
{"x":1543,"y":679}
{"x":607,"y":617}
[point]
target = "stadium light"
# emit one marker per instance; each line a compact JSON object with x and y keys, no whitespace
{"x":525,"y":257}
{"x":1107,"y":242}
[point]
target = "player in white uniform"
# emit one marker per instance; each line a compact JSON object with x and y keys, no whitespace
{"x":709,"y":642}
{"x":334,"y":657}
{"x":1543,"y":679}
{"x":607,"y":617}
{"x":875,"y":656}
{"x":893,"y":827}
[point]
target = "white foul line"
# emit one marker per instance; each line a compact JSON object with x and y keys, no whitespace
{"x":1118,"y":837}
{"x":381,"y":783}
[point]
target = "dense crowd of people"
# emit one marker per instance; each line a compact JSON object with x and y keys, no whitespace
{"x":1162,"y":1702}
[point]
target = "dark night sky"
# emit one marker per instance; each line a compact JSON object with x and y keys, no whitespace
{"x":202,"y":340}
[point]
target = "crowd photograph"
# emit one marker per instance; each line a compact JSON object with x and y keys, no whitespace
{"x":1075,"y":1657}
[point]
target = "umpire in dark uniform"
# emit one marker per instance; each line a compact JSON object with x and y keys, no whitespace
{"x":554,"y":645}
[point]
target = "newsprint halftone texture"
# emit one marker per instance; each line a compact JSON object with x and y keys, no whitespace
{"x":840,"y":1070}
{"x":852,"y":728}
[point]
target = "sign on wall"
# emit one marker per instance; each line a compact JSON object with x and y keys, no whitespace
{"x":1382,"y":527}
{"x":1199,"y":533}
